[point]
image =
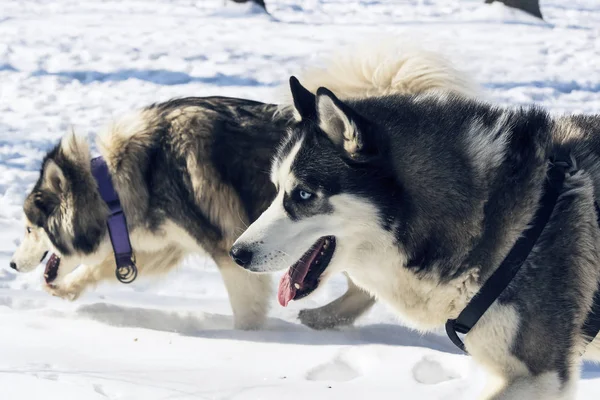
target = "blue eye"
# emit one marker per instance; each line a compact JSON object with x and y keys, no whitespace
{"x":304,"y":195}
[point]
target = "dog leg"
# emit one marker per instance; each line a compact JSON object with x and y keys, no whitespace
{"x":74,"y":284}
{"x":340,"y":312}
{"x":249,"y":294}
{"x":546,"y":386}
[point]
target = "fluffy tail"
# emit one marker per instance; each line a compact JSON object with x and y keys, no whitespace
{"x":386,"y":69}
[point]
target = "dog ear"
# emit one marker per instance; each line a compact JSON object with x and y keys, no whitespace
{"x":345,"y":127}
{"x":53,"y":177}
{"x":39,"y":206}
{"x":304,"y":100}
{"x":75,"y":147}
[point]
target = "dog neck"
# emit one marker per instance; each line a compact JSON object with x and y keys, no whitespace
{"x":116,"y":222}
{"x":510,"y":266}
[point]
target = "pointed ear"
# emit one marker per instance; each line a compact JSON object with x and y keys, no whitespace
{"x":75,"y":148}
{"x":304,"y":100}
{"x":54,"y":178}
{"x":344,"y":127}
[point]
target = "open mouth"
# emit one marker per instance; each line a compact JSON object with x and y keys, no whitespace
{"x":303,"y":277}
{"x":51,"y":271}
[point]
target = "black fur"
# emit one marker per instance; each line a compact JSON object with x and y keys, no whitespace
{"x":43,"y":204}
{"x":238,"y":138}
{"x":455,"y":213}
{"x":304,"y":100}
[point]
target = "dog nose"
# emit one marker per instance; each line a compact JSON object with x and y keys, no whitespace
{"x":241,"y":255}
{"x":13,"y":265}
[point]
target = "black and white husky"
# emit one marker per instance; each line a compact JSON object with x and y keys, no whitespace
{"x":420,"y":199}
{"x":192,"y":175}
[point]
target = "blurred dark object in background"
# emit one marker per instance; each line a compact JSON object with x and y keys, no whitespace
{"x":261,"y":3}
{"x":529,"y":6}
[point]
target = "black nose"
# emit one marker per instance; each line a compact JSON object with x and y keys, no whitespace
{"x":13,"y":265}
{"x":241,"y":255}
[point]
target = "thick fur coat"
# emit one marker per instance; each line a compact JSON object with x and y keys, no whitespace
{"x":423,"y":196}
{"x":192,"y":174}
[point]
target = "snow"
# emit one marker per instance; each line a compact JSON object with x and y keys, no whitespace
{"x":73,"y":64}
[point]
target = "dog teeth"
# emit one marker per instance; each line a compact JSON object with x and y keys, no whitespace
{"x":297,"y":285}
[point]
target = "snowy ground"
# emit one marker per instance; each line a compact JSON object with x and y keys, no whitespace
{"x":70,"y":63}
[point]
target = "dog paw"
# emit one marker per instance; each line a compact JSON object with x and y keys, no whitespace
{"x":67,"y":292}
{"x":248,"y":324}
{"x":315,"y":319}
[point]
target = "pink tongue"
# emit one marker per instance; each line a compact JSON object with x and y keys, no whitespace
{"x":286,"y":291}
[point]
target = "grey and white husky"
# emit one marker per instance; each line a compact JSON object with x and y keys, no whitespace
{"x":419,"y":198}
{"x":192,"y":174}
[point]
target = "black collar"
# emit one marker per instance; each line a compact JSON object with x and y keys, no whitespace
{"x":500,"y":279}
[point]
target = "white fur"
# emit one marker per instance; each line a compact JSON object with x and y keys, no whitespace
{"x":36,"y":242}
{"x":513,"y":380}
{"x":135,"y":123}
{"x":383,"y":70}
{"x":76,"y":148}
{"x":336,"y":124}
{"x":157,"y":251}
{"x":53,"y":177}
{"x":278,"y":242}
{"x":487,"y":147}
{"x":388,"y":67}
{"x":32,"y":248}
{"x":546,"y":386}
{"x":281,"y":169}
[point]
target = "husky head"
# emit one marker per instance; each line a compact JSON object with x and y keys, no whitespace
{"x":319,"y":213}
{"x":390,"y":186}
{"x":64,"y":214}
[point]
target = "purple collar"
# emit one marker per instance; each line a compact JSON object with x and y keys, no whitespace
{"x":116,"y":223}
